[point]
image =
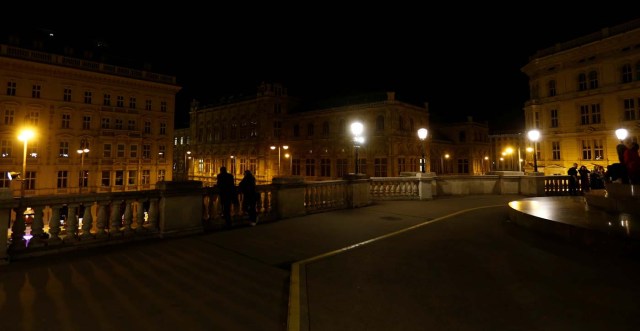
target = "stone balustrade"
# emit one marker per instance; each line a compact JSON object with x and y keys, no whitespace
{"x":67,"y":222}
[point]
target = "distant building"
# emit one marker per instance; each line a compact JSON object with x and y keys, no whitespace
{"x":581,"y":91}
{"x":252,"y":133}
{"x":124,"y":117}
{"x":460,"y":148}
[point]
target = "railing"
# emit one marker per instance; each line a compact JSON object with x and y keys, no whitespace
{"x":323,"y":196}
{"x":212,"y":211}
{"x":394,"y":188}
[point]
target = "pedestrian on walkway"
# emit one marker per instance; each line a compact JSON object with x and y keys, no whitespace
{"x":249,"y":196}
{"x":573,"y":179}
{"x":227,"y":193}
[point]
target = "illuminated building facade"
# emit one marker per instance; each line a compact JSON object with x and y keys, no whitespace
{"x":581,"y":91}
{"x":121,"y":118}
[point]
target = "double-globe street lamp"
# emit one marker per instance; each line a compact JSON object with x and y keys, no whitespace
{"x":356,"y":129}
{"x":83,"y":176}
{"x":422,"y":134}
{"x":534,"y":135}
{"x":285,"y":147}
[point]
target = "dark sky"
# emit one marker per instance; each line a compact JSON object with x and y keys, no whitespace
{"x":460,"y":61}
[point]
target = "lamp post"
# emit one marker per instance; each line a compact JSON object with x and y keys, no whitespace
{"x":534,"y":135}
{"x":290,"y":157}
{"x":356,"y":129}
{"x":82,"y":152}
{"x":186,"y":165}
{"x":422,"y":134}
{"x":160,"y":155}
{"x":509,"y":151}
{"x":622,"y":135}
{"x":488,"y":169}
{"x":233,"y":165}
{"x":285,"y":147}
{"x":24,"y":136}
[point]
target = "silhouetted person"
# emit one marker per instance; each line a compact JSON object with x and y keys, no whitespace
{"x":584,"y":178}
{"x":632,"y":161}
{"x":227,"y":190}
{"x":573,"y":179}
{"x":249,"y":196}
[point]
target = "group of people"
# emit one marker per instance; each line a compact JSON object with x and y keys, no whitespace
{"x":229,"y":195}
{"x":626,"y":171}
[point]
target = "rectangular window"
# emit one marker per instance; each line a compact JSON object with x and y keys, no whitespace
{"x":163,"y":106}
{"x":6,"y":146}
{"x":83,"y":178}
{"x":341,"y":167}
{"x":35,"y":92}
{"x":555,"y":150}
{"x":554,"y":118}
{"x":88,"y":95}
{"x":63,"y":151}
{"x":243,"y":165}
{"x":162,"y":151}
{"x":5,"y":182}
{"x":147,"y":105}
{"x":363,"y":166}
{"x":161,"y":175}
{"x":147,"y":127}
{"x":133,"y":151}
{"x":119,"y":177}
{"x":118,"y":124}
{"x":295,"y":167}
{"x":310,"y":167}
{"x":67,"y":95}
{"x":146,"y":151}
{"x":402,"y":165}
{"x":586,"y":150}
{"x":629,"y":110}
{"x":163,"y":128}
{"x":105,"y":179}
{"x":132,"y":102}
{"x":33,"y":118}
{"x":380,"y":165}
{"x":131,"y":125}
{"x":146,"y":174}
{"x":120,"y":152}
{"x":86,"y":122}
{"x":595,"y":113}
{"x":105,"y":123}
{"x":277,"y":129}
{"x":120,"y":101}
{"x":62,"y":179}
{"x":310,"y":129}
{"x":30,"y":180}
{"x":536,"y":120}
{"x":11,"y":88}
{"x":107,"y":100}
{"x":598,"y":149}
{"x":584,"y":114}
{"x":66,"y":121}
{"x":106,"y":150}
{"x":325,"y":167}
{"x":463,"y":166}
{"x":132,"y":178}
{"x":9,"y":115}
{"x":253,"y":165}
{"x":32,"y":150}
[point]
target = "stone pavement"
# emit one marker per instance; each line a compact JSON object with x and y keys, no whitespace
{"x":447,"y":264}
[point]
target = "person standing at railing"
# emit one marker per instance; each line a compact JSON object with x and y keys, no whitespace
{"x":584,"y":178}
{"x":632,"y":161}
{"x":249,"y":196}
{"x":573,"y":179}
{"x":227,"y":192}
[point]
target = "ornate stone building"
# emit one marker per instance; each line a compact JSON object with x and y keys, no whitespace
{"x":582,"y":91}
{"x":121,"y":118}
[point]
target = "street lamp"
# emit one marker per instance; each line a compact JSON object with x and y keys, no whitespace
{"x":233,"y":165}
{"x":290,"y":157}
{"x":446,"y":156}
{"x":186,"y":165}
{"x":534,"y":135}
{"x":422,"y":134}
{"x":285,"y":147}
{"x":160,"y":155}
{"x":509,"y":152}
{"x":24,"y":135}
{"x":488,"y":169}
{"x":83,"y":177}
{"x":622,"y":135}
{"x":356,"y":129}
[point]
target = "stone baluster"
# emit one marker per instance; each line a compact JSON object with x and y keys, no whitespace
{"x":115,"y":219}
{"x":54,"y":226}
{"x":128,"y":218}
{"x":102,"y":220}
{"x":87,"y":223}
{"x":153,"y":215}
{"x":37,"y":228}
{"x":18,"y":230}
{"x":71,"y":225}
{"x":140,"y":217}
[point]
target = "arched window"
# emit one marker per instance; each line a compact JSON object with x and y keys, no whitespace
{"x":627,"y":73}
{"x":380,"y":123}
{"x":593,"y":79}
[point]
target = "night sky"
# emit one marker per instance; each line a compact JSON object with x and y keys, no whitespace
{"x":423,"y":54}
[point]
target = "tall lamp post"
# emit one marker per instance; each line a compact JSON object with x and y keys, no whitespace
{"x":534,"y":135}
{"x":422,"y":134}
{"x":82,"y":151}
{"x":285,"y":147}
{"x":24,"y":136}
{"x":186,"y":164}
{"x":356,"y":129}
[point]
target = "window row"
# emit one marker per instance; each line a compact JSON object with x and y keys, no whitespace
{"x":88,"y":97}
{"x":65,"y":151}
{"x":107,"y":178}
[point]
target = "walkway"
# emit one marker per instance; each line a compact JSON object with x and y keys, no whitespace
{"x":462,"y":266}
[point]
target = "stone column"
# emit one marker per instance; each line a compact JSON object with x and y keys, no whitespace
{"x":289,"y":196}
{"x":180,"y":208}
{"x":424,"y":185}
{"x":358,"y":190}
